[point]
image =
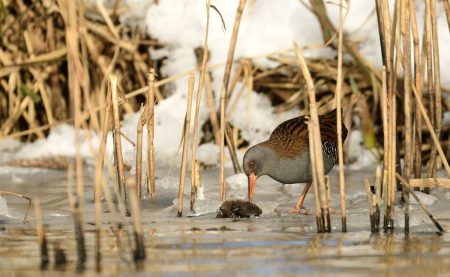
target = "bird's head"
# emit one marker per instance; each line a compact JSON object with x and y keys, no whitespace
{"x":257,"y":162}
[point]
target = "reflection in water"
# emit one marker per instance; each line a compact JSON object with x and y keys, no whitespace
{"x":274,"y":244}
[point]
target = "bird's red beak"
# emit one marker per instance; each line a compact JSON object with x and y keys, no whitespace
{"x":251,"y":186}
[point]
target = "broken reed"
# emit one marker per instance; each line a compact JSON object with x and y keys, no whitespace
{"x":40,"y":230}
{"x":98,"y":212}
{"x":316,"y":145}
{"x":118,"y":156}
{"x":185,"y":138}
{"x":338,"y":96}
{"x":223,"y":98}
{"x":424,"y":208}
{"x":78,"y":222}
{"x":139,"y":247}
{"x":201,"y":81}
{"x":395,"y":39}
{"x":140,"y":126}
{"x":151,"y":190}
{"x":23,"y":197}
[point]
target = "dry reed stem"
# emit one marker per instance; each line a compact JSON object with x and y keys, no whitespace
{"x":232,"y":147}
{"x":140,"y":126}
{"x":78,"y":222}
{"x":417,"y":133}
{"x":191,"y":81}
{"x":436,"y":85}
{"x":20,"y":196}
{"x":318,"y":211}
{"x":107,"y":19}
{"x":117,"y":140}
{"x":232,"y":46}
{"x":197,"y":108}
{"x":197,"y":184}
{"x":227,"y":73}
{"x":447,"y":12}
{"x":378,"y":195}
{"x":106,"y":126}
{"x":98,"y":225}
{"x":40,"y":230}
{"x":317,"y":142}
{"x":432,"y":133}
{"x":424,"y":208}
{"x":405,"y":31}
{"x":338,"y":95}
{"x":223,"y":184}
{"x":139,"y":251}
{"x":129,"y":95}
{"x":431,"y":89}
{"x":151,"y":190}
{"x":386,"y":135}
{"x":429,"y":183}
{"x":212,"y":109}
{"x":370,"y":201}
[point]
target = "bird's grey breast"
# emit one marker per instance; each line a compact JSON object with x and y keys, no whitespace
{"x":297,"y":170}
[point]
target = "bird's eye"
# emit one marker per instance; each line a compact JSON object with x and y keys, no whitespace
{"x":251,"y":164}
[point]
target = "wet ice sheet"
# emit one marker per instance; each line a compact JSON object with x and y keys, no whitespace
{"x":274,"y":244}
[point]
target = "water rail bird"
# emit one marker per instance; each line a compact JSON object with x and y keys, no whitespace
{"x":285,"y":156}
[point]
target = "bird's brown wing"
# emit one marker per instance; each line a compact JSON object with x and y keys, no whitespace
{"x":290,"y":138}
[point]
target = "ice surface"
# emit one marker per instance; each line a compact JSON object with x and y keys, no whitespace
{"x":426,"y":199}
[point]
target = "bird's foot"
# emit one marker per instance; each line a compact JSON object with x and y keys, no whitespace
{"x":301,"y":210}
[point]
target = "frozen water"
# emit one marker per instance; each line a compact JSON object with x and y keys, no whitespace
{"x":426,"y":199}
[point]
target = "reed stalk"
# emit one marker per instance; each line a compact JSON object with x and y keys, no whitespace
{"x":226,"y":80}
{"x":40,"y":230}
{"x":338,"y":96}
{"x":212,"y":109}
{"x":118,"y":158}
{"x":139,"y":250}
{"x":223,"y":184}
{"x":371,"y":205}
{"x":106,"y":126}
{"x":196,"y":184}
{"x":318,"y":212}
{"x":418,"y":81}
{"x":447,"y":12}
{"x":431,"y":89}
{"x":23,"y":197}
{"x":203,"y":72}
{"x":97,"y":199}
{"x":78,"y":222}
{"x":317,"y":142}
{"x":187,"y":123}
{"x":59,"y":255}
{"x":151,"y":190}
{"x":436,"y":84}
{"x":424,"y":208}
{"x":432,"y":133}
{"x":378,"y":189}
{"x":140,"y":126}
{"x":405,"y":30}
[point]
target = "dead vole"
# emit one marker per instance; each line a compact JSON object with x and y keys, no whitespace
{"x":238,"y":208}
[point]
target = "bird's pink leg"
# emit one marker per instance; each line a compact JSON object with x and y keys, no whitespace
{"x":299,"y":209}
